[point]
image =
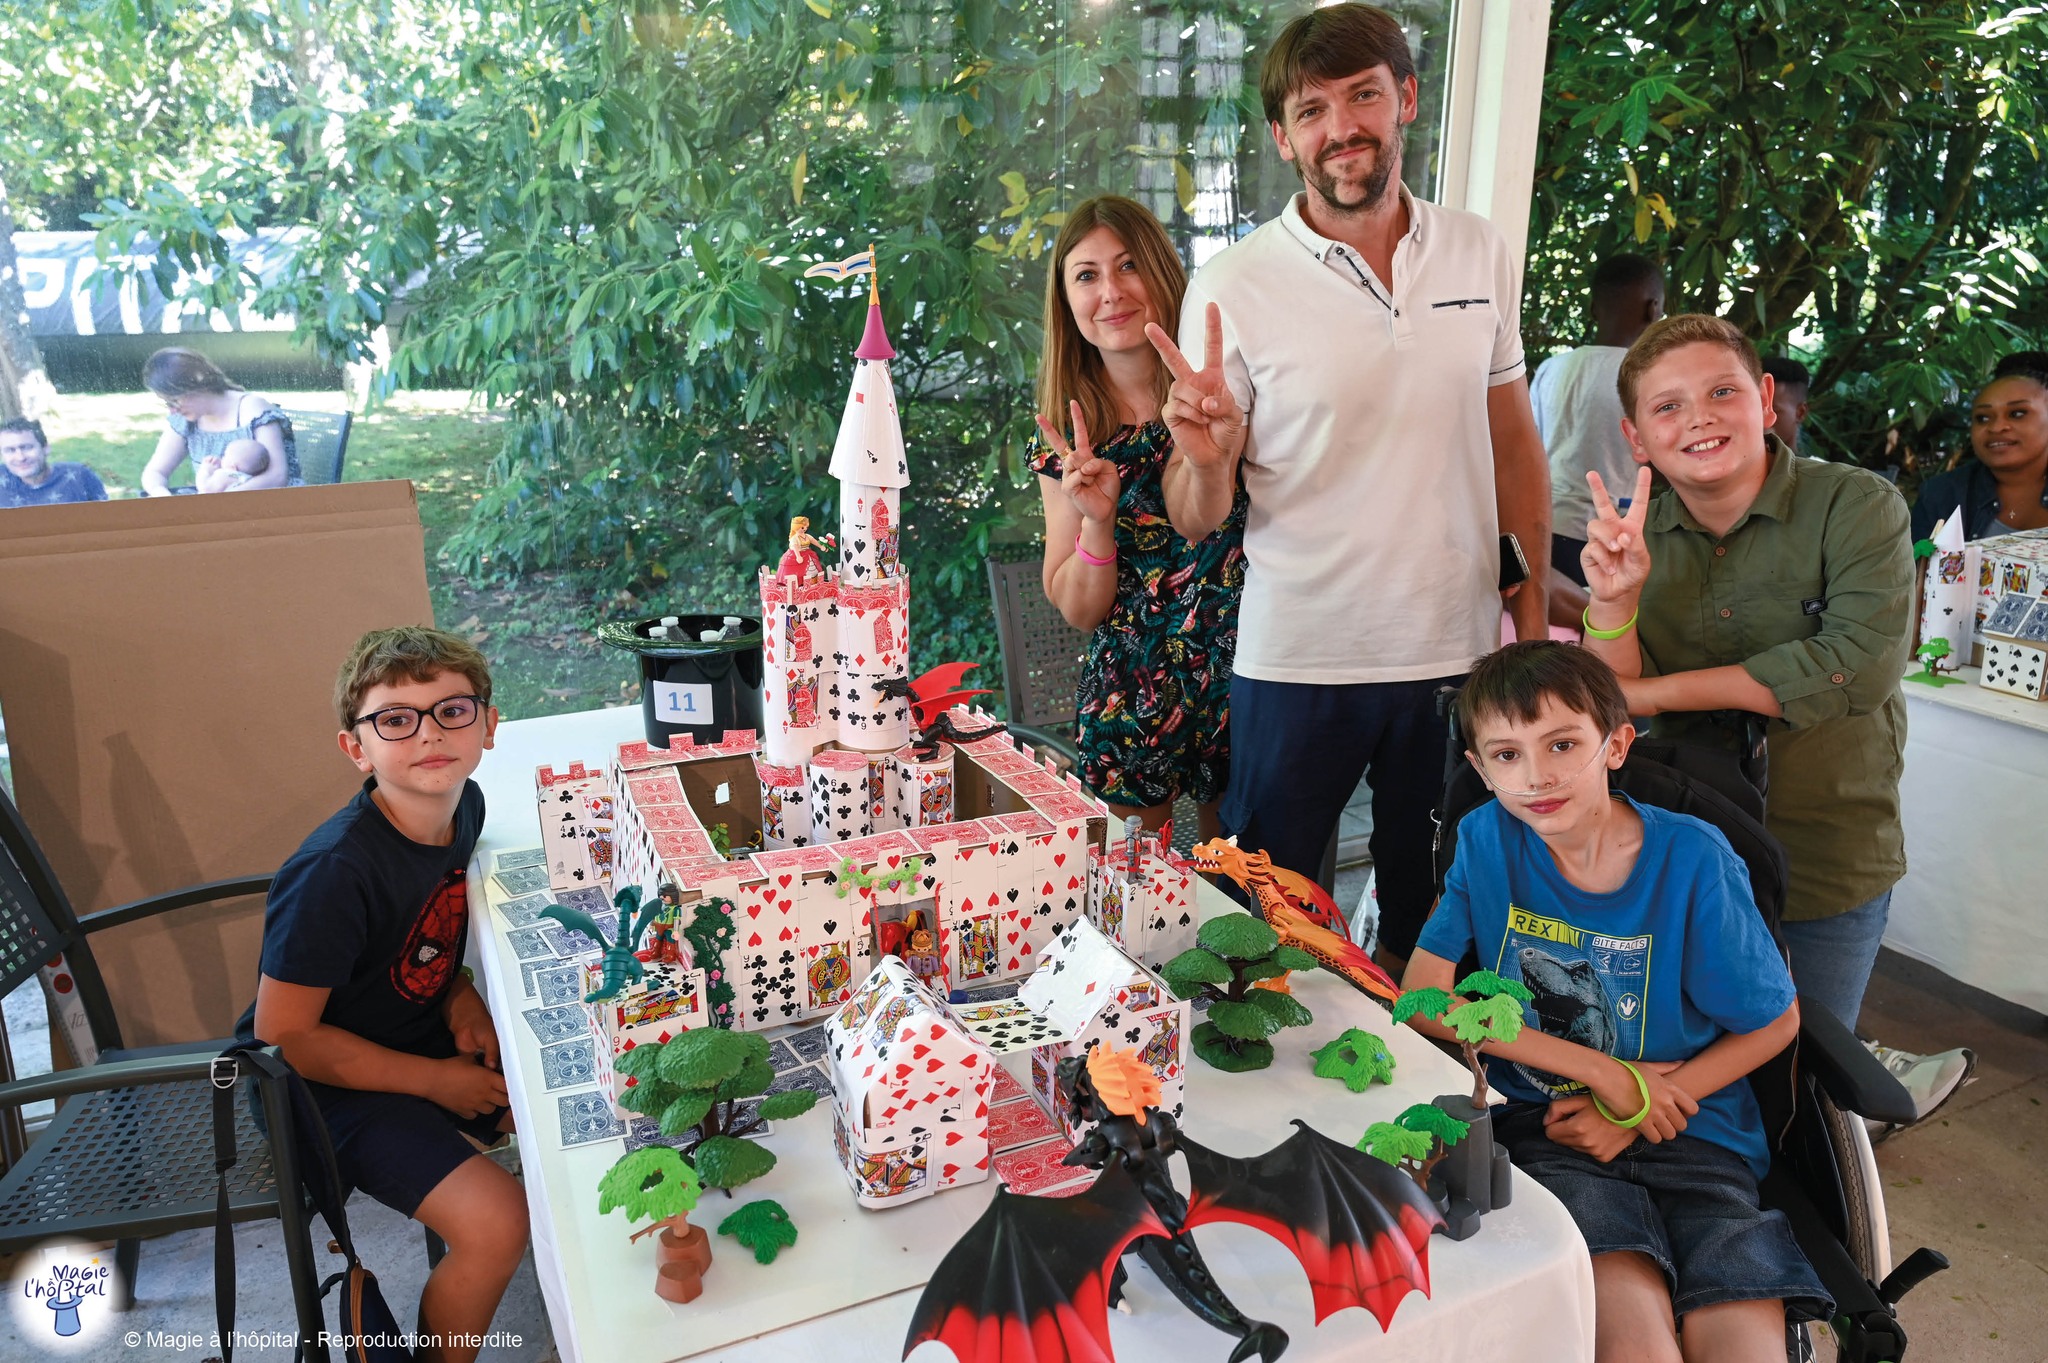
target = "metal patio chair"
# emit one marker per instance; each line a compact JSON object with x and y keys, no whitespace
{"x":1042,"y":656}
{"x":322,"y":439}
{"x":130,"y":1151}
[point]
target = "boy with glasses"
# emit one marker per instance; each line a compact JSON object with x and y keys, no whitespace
{"x":362,"y":939}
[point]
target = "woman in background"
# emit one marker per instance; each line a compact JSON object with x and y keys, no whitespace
{"x":215,"y":423}
{"x":2005,"y":488}
{"x":1154,"y":703}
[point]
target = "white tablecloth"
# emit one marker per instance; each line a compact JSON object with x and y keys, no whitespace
{"x":1972,"y":903}
{"x":1521,"y":1288}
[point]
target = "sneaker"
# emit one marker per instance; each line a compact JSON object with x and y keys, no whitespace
{"x":1931,"y":1079}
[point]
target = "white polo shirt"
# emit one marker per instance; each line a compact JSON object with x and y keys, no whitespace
{"x":1373,"y":544}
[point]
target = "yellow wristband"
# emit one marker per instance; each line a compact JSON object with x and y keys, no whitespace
{"x":1586,"y":619}
{"x":1642,"y":1087}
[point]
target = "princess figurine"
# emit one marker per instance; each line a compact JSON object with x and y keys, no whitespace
{"x":800,"y":561}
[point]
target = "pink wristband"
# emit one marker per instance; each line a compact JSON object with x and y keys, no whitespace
{"x":1087,"y":557}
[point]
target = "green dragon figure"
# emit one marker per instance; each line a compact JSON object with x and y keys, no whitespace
{"x":621,"y":966}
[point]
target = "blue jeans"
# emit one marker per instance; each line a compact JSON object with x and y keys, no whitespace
{"x":1686,"y":1204}
{"x":1832,"y":957}
{"x":1296,"y":753}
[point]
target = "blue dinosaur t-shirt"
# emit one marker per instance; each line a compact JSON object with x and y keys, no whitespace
{"x":1656,"y":970}
{"x":379,"y":919}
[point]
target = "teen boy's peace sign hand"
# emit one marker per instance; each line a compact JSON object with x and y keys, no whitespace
{"x":1090,"y":483}
{"x":1616,"y":557}
{"x":1207,"y":424}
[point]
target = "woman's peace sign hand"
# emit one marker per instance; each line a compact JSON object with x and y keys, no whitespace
{"x":1616,"y":557}
{"x":1091,"y":484}
{"x":1207,"y":424}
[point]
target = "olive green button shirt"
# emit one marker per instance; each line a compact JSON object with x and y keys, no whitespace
{"x":1810,"y":593}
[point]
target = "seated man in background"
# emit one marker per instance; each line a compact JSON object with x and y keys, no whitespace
{"x":28,"y":478}
{"x":1790,"y":381}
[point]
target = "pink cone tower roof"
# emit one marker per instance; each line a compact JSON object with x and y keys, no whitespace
{"x":874,"y":342}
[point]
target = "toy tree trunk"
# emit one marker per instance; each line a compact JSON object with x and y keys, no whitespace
{"x":682,"y":1255}
{"x":1472,"y":1178}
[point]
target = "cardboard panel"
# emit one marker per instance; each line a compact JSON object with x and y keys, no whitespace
{"x":166,"y":668}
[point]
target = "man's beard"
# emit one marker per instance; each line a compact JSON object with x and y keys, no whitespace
{"x":1377,"y":182}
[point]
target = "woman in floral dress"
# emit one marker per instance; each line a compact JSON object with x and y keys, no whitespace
{"x":1154,"y":703}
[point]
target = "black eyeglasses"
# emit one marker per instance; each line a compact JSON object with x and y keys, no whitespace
{"x":398,"y":722}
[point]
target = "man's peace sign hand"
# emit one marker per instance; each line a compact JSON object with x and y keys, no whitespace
{"x":1207,"y":424}
{"x":1616,"y":558}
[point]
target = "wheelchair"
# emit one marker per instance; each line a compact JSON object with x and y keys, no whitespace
{"x":1815,"y":1094}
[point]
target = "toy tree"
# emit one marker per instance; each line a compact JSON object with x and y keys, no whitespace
{"x":1417,"y":1140}
{"x":763,"y":1227}
{"x":1490,"y":1010}
{"x":1236,"y":951}
{"x":1357,"y":1057}
{"x":695,"y":1083}
{"x":1931,"y":672}
{"x":709,"y":932}
{"x":655,"y":1183}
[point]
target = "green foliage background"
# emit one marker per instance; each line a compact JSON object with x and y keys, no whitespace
{"x":1859,"y":183}
{"x":595,"y":214}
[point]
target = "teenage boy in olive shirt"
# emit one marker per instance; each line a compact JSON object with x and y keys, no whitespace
{"x":1782,"y":587}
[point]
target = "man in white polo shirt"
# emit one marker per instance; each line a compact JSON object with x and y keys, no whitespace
{"x":1362,"y":372}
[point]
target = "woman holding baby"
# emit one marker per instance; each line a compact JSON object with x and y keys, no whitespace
{"x":235,"y":439}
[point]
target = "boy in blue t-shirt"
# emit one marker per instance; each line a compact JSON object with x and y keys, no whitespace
{"x":361,"y":989}
{"x":1657,"y":989}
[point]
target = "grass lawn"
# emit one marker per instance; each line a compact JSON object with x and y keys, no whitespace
{"x":537,"y":631}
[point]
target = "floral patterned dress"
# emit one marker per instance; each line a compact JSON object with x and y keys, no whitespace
{"x":1154,"y":703}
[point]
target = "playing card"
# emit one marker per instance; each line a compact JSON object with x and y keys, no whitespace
{"x":992,"y":992}
{"x":781,"y":1057}
{"x":591,"y":900}
{"x":645,"y":1131}
{"x":1036,"y":1169}
{"x":567,"y":943}
{"x":1007,"y":1089}
{"x":585,"y":1117}
{"x":561,"y":1023}
{"x":1007,"y":1027}
{"x":522,"y":880}
{"x":529,"y":943}
{"x":568,"y":1064}
{"x":523,"y":912}
{"x":810,"y":1077}
{"x":524,"y":856}
{"x":563,"y":984}
{"x":809,"y":1044}
{"x":1018,"y":1124}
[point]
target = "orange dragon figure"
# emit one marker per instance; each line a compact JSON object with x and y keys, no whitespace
{"x":1300,"y":910}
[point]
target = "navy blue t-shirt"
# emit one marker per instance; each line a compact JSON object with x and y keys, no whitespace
{"x":66,"y":483}
{"x":377,"y":918}
{"x":1656,"y":970}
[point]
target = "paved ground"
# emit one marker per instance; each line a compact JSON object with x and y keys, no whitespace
{"x":1966,"y":1182}
{"x":1969,"y":1181}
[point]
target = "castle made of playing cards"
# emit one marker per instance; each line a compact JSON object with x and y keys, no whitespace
{"x":962,"y":860}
